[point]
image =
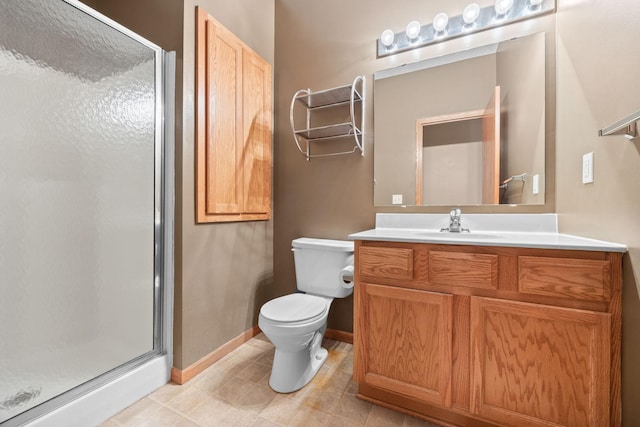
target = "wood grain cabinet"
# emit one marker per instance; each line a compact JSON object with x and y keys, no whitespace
{"x":398,"y":352}
{"x":233,"y":127}
{"x":486,"y":336}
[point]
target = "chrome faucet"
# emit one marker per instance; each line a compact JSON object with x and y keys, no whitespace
{"x":455,"y":222}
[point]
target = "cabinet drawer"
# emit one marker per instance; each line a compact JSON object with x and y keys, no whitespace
{"x":386,"y":263}
{"x":585,"y":279}
{"x":463,"y":269}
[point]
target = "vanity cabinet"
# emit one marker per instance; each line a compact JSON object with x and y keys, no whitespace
{"x":482,"y":336}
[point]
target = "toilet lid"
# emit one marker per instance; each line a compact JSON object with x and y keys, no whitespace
{"x":294,"y":308}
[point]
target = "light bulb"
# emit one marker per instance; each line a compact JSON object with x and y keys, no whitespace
{"x":440,"y":22}
{"x":535,"y":3}
{"x":471,"y":13}
{"x":413,"y":30}
{"x":503,"y":6}
{"x":387,"y":37}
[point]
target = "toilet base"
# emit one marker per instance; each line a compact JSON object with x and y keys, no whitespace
{"x":293,"y":370}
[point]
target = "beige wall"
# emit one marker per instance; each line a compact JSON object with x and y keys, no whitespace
{"x":401,"y":101}
{"x":227,"y":269}
{"x":598,"y":85}
{"x":323,"y":44}
{"x":326,"y":43}
{"x":521,"y":77}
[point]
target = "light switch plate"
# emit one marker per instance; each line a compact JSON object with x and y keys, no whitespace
{"x":396,"y":199}
{"x":536,"y":184}
{"x":587,"y":168}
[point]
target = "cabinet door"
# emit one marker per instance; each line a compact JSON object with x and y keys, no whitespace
{"x":536,"y":365}
{"x":220,"y":68}
{"x":403,"y":341}
{"x":233,"y":127}
{"x":256,"y":118}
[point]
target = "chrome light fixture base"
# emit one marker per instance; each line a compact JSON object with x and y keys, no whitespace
{"x":456,"y":27}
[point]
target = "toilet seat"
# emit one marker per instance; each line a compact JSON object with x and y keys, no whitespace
{"x":294,"y":308}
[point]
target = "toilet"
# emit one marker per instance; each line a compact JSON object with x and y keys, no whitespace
{"x":296,"y":323}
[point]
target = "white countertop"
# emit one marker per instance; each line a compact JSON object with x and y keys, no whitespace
{"x":507,"y":230}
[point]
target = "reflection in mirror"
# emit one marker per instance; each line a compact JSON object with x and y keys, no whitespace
{"x":463,"y":129}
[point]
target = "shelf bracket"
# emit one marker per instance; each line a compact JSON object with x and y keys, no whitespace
{"x":628,"y":127}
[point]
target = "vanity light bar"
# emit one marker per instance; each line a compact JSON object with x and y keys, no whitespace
{"x":463,"y":24}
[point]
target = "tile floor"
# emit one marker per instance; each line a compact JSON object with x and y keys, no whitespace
{"x":235,"y":392}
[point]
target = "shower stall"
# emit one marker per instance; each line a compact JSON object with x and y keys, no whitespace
{"x":85,"y":214}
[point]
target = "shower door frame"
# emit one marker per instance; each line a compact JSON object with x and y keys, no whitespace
{"x":99,"y":398}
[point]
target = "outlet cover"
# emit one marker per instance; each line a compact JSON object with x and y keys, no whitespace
{"x":396,"y":199}
{"x":536,"y":184}
{"x":587,"y":168}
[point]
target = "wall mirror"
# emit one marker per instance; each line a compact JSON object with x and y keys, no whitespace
{"x":463,"y":129}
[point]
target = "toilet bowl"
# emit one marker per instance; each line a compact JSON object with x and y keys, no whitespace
{"x":296,"y":323}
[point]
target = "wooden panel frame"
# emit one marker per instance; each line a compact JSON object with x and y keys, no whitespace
{"x":245,"y":184}
{"x":365,"y":348}
{"x":583,"y":279}
{"x":522,"y":371}
{"x":388,"y":263}
{"x":463,"y":269}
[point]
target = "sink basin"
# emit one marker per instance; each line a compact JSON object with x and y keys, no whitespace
{"x":458,"y":236}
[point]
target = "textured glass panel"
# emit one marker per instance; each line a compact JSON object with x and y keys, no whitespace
{"x":76,"y":200}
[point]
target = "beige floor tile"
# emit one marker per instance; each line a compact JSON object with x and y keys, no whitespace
{"x":250,"y":352}
{"x":303,"y":393}
{"x":185,"y":401}
{"x":233,"y":365}
{"x":383,"y":417}
{"x":323,"y":400}
{"x":337,"y":421}
{"x":167,"y":392}
{"x":209,"y":412}
{"x":211,"y":380}
{"x":281,"y":410}
{"x":136,"y":412}
{"x":416,"y":422}
{"x":261,"y":343}
{"x":264,"y":381}
{"x":235,"y":392}
{"x":352,"y":387}
{"x":234,"y":389}
{"x":340,"y":380}
{"x":167,"y":417}
{"x":161,"y":417}
{"x":239,"y":417}
{"x":347,"y":363}
{"x":352,"y":408}
{"x":254,"y":372}
{"x":309,"y":417}
{"x":257,"y":398}
{"x":267,"y":357}
{"x":261,"y":422}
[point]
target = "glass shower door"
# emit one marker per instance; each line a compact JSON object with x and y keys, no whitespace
{"x":80,"y":157}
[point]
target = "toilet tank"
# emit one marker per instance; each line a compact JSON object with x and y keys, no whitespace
{"x":318,"y":265}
